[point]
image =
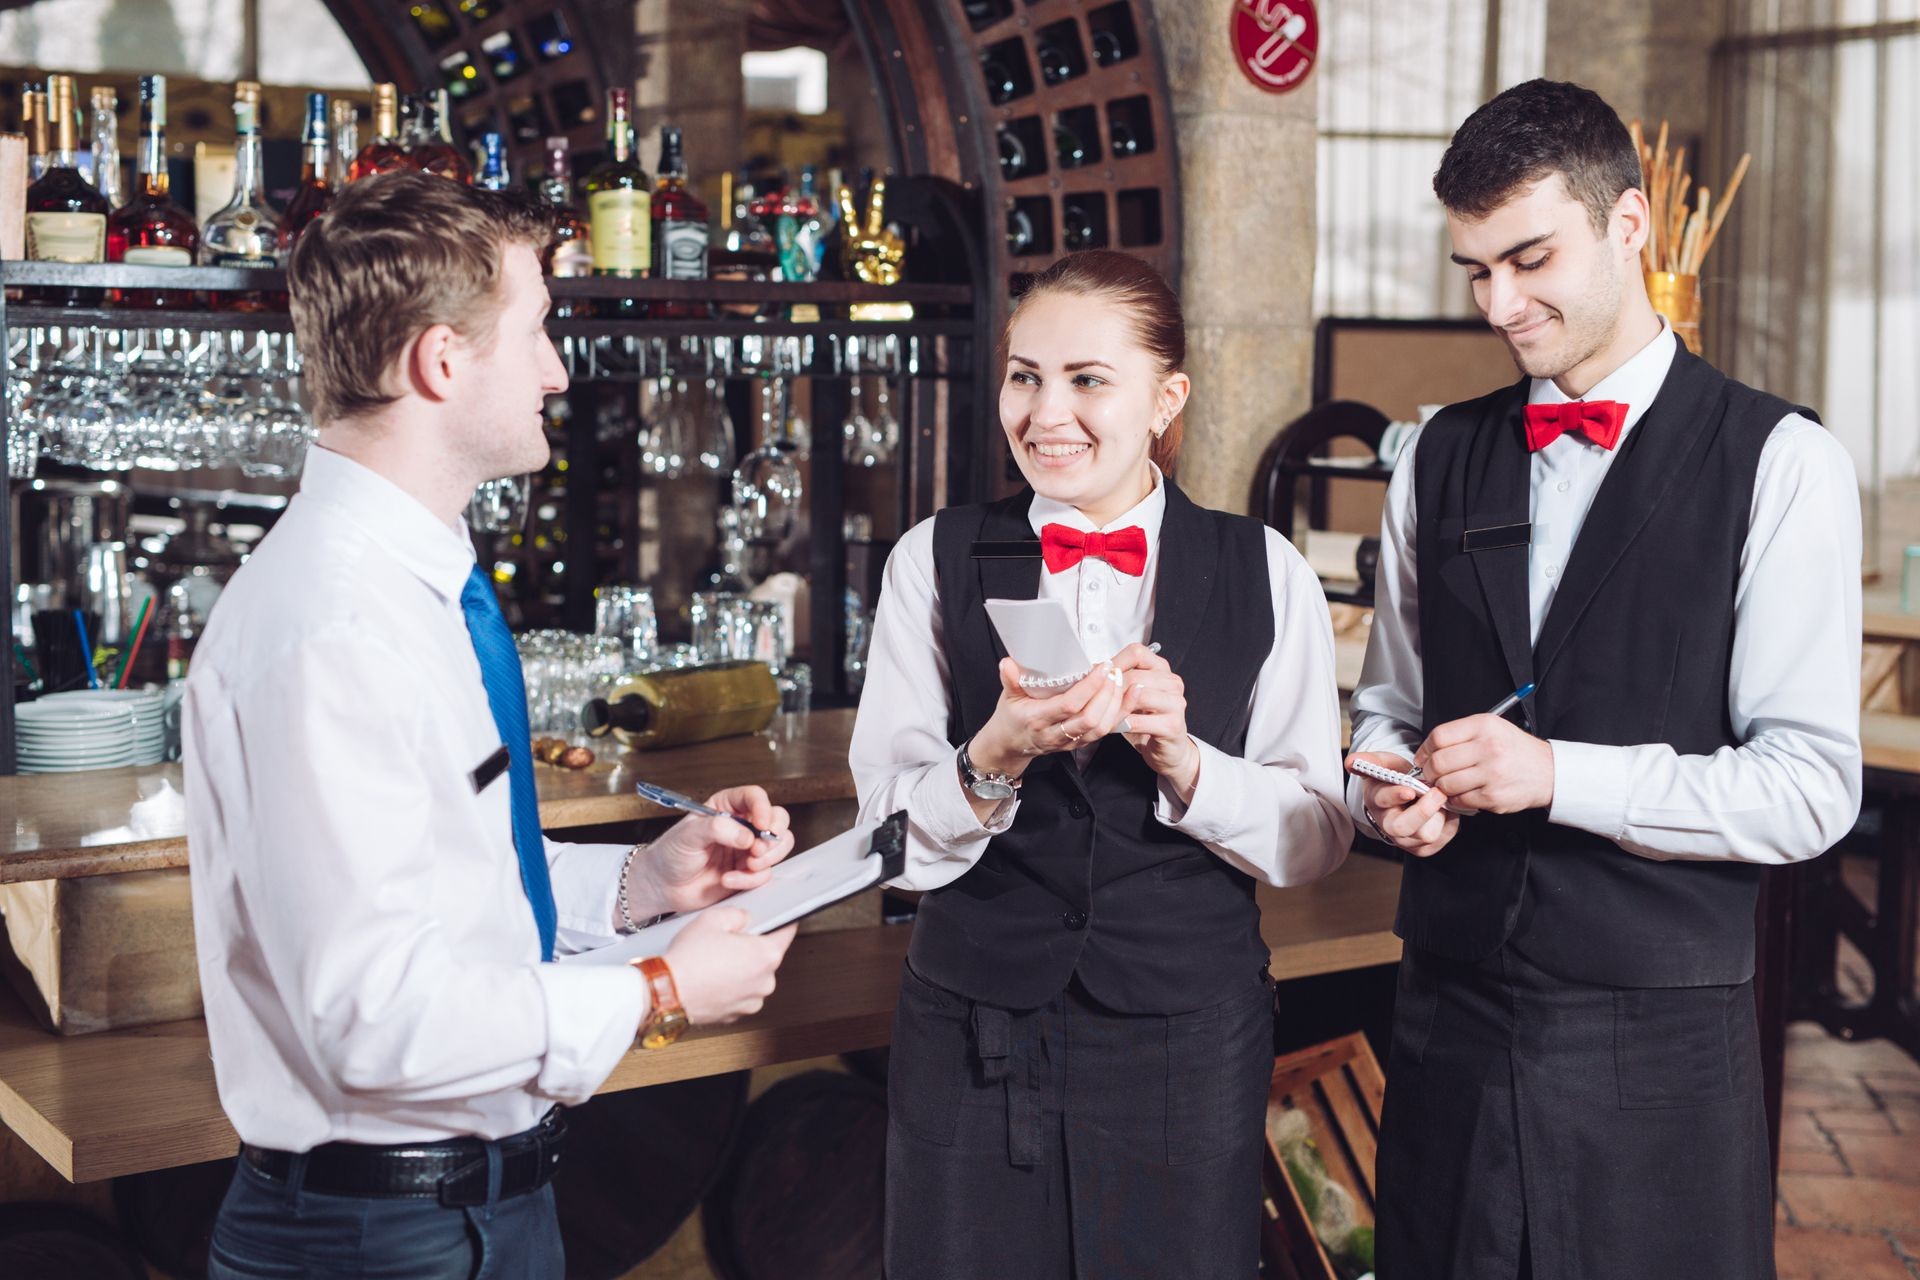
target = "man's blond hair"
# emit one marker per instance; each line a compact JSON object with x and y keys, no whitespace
{"x":394,"y":255}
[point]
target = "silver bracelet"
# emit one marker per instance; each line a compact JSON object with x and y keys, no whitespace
{"x":627,"y":923}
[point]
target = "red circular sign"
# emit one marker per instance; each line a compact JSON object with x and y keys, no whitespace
{"x":1276,"y":41}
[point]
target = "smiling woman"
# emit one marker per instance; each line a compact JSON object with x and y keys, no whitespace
{"x":1084,"y":1031}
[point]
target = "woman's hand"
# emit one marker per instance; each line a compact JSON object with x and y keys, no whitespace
{"x":1156,"y":719}
{"x":1024,"y":726}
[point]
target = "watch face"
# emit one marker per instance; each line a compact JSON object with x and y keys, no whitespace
{"x":664,"y":1030}
{"x":992,"y":789}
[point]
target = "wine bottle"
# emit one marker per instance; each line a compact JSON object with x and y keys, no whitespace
{"x":620,"y":209}
{"x":66,"y":214}
{"x":152,"y":229}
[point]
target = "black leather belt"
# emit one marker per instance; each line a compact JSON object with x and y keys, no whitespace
{"x":453,"y":1171}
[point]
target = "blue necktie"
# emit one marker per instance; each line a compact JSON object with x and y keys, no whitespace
{"x":507,"y":697}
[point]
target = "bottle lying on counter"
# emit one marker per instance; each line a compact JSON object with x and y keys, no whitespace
{"x":675,"y":707}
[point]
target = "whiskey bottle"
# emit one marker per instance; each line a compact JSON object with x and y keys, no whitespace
{"x":316,"y":170}
{"x":620,"y":209}
{"x":679,"y":225}
{"x":383,"y":152}
{"x":430,"y":146}
{"x":152,"y":229}
{"x":66,"y":214}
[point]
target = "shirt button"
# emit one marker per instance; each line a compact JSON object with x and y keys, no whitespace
{"x":1075,"y":920}
{"x":1093,"y":584}
{"x":1077,"y":809}
{"x":1093,"y":628}
{"x":1553,"y":571}
{"x":1564,"y":485}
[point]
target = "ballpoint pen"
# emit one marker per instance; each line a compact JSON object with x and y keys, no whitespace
{"x":1499,"y":708}
{"x":687,"y":804}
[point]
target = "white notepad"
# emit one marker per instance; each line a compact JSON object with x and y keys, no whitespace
{"x":801,"y":885}
{"x":1039,"y":635}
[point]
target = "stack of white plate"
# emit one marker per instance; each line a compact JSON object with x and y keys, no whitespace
{"x":91,"y":729}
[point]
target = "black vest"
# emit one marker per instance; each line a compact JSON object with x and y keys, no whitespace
{"x":1086,"y":881}
{"x":1635,"y":648}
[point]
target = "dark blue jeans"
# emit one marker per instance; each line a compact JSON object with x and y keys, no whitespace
{"x":271,"y":1230}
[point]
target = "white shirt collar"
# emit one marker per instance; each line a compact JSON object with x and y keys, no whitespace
{"x":439,"y":555}
{"x":1634,"y":383}
{"x":1146,"y":513}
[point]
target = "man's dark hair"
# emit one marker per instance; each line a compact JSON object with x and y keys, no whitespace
{"x":1530,"y":132}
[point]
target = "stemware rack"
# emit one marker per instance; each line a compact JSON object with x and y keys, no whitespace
{"x":941,"y":364}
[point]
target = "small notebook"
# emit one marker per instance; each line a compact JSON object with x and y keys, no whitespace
{"x":1039,"y":635}
{"x":801,"y":885}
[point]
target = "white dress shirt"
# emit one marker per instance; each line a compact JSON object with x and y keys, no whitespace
{"x":1274,"y":812}
{"x":1792,"y":786}
{"x":368,"y":958}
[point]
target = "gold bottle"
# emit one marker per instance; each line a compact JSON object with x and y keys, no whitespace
{"x":692,"y":704}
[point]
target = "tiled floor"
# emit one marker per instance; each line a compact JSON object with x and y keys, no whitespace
{"x":1849,"y":1204}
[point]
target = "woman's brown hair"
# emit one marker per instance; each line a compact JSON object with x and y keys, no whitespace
{"x":1152,"y":307}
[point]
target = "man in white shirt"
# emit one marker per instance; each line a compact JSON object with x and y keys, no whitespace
{"x":373,"y":900}
{"x":1670,"y":562}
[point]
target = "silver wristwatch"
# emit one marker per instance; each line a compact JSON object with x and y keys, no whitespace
{"x":987,"y":786}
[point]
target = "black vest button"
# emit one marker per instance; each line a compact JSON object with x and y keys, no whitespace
{"x":1075,"y":920}
{"x":1078,"y":808}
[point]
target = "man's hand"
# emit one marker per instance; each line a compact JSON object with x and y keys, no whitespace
{"x":721,"y":973}
{"x":1488,"y":764}
{"x":700,"y":861}
{"x":1414,"y":823}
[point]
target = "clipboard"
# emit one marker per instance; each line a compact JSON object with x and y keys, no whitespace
{"x":802,"y":884}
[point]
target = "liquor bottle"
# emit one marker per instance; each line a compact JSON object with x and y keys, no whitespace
{"x":383,"y":152}
{"x":692,"y":704}
{"x":679,"y":225}
{"x":106,"y":144}
{"x":620,"y":209}
{"x":152,"y":230}
{"x":569,"y":255}
{"x":246,"y":232}
{"x":493,"y":170}
{"x":33,"y":120}
{"x":316,"y":170}
{"x":430,"y":146}
{"x":66,"y":215}
{"x":346,"y":140}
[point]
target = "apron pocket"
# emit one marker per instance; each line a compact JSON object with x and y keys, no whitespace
{"x":928,"y":1066}
{"x":1670,"y":1046}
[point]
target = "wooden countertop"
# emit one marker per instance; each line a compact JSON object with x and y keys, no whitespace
{"x":58,"y":825}
{"x":116,"y":1102}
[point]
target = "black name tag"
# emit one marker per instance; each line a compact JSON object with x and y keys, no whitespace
{"x":1493,"y":539}
{"x":1006,"y":550}
{"x":489,"y":769}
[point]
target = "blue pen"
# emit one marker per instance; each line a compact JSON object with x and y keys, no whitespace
{"x":1499,"y":708}
{"x":687,"y":804}
{"x":1511,"y":701}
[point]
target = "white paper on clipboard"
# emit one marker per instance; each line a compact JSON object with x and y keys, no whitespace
{"x":802,"y":884}
{"x":1039,"y":635}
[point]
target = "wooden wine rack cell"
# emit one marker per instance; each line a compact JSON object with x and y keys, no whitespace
{"x":1082,"y":136}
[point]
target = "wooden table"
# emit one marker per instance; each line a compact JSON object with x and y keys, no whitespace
{"x":119,"y":1102}
{"x":58,"y":825}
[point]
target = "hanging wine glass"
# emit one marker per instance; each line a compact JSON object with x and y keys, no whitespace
{"x":766,"y":484}
{"x":716,"y":431}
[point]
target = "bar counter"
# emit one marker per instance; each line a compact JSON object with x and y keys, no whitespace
{"x":140,"y":1098}
{"x":60,"y":825}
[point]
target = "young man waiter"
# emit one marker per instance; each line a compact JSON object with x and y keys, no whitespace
{"x":373,"y":900}
{"x":1673,"y":560}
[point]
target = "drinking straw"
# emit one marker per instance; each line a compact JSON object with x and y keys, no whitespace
{"x":86,"y":649}
{"x":126,"y":659}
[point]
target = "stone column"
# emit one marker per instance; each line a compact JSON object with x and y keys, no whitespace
{"x":1247,"y":161}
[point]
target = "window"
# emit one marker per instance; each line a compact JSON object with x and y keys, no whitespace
{"x":1395,"y":81}
{"x":1817,"y":295}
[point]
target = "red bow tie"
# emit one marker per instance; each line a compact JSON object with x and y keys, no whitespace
{"x":1063,"y":547}
{"x":1598,"y":420}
